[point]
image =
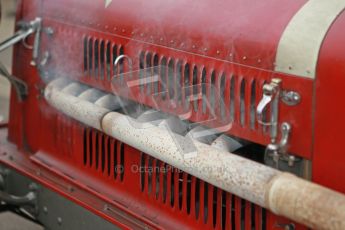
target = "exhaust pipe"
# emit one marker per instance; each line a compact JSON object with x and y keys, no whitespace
{"x":282,"y":193}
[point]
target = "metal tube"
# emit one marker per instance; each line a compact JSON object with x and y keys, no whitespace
{"x":282,"y":193}
{"x":305,"y":202}
{"x":17,"y":37}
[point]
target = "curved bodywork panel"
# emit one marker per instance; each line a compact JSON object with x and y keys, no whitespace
{"x":299,"y":47}
{"x":329,"y":109}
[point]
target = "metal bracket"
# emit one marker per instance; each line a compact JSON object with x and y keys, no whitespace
{"x":272,"y":93}
{"x":26,"y":29}
{"x":278,"y":151}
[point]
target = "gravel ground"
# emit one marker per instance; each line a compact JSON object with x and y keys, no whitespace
{"x":11,"y":221}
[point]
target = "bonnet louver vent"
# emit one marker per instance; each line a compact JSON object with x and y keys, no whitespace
{"x":179,"y":80}
{"x":208,"y":205}
{"x":99,"y":56}
{"x":104,"y":154}
{"x":173,"y":190}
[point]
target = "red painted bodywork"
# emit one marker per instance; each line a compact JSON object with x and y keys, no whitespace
{"x":236,"y":38}
{"x":329,"y":153}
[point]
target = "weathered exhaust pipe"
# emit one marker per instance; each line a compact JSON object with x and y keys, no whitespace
{"x":283,"y":193}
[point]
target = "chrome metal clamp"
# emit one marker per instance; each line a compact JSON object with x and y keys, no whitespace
{"x":120,"y":59}
{"x":272,"y":95}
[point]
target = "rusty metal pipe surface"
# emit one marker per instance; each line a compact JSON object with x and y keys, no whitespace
{"x":305,"y":202}
{"x":282,"y":193}
{"x":230,"y":172}
{"x":81,"y":110}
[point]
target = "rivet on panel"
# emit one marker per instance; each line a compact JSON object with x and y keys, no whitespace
{"x":172,"y":41}
{"x":161,"y":39}
{"x":230,"y":54}
{"x":259,"y":61}
{"x":218,"y":52}
{"x":193,"y":46}
{"x":205,"y":49}
{"x":71,"y":189}
{"x":141,"y":35}
{"x":106,"y":27}
{"x":290,"y":67}
{"x":244,"y":58}
{"x":45,"y":210}
{"x":123,"y":30}
{"x":115,"y":28}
